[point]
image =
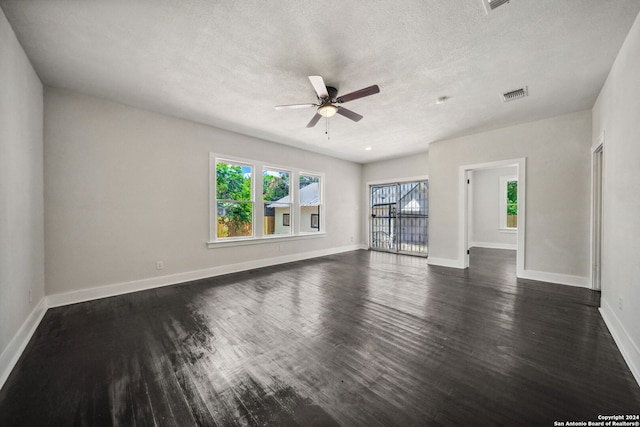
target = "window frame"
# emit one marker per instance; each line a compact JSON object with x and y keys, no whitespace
{"x":258,"y":236}
{"x":504,"y":181}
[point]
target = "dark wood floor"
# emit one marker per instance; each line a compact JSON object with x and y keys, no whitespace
{"x":362,"y":338}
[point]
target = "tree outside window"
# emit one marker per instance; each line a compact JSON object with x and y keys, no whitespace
{"x":234,"y":201}
{"x":512,"y":204}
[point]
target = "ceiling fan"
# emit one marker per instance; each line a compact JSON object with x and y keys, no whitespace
{"x":328,"y":101}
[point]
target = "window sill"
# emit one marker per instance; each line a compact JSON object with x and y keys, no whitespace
{"x":508,"y":230}
{"x":261,"y":240}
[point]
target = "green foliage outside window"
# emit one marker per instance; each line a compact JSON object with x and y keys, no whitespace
{"x":275,"y":185}
{"x":233,"y":192}
{"x":232,"y":183}
{"x":512,"y":198}
{"x":512,"y":204}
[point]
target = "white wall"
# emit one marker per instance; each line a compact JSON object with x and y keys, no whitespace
{"x":126,"y":187}
{"x":21,"y":194}
{"x":617,"y":113}
{"x":486,"y":230}
{"x":557,"y":184}
{"x":416,"y":165}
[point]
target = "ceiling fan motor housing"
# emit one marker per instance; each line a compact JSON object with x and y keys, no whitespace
{"x":333,"y":93}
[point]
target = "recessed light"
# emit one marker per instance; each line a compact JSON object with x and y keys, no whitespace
{"x":368,"y":149}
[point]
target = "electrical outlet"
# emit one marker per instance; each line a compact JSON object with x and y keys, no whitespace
{"x":281,"y":248}
{"x":159,"y":265}
{"x":620,"y":303}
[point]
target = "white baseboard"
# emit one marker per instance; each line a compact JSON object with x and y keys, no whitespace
{"x":83,"y":295}
{"x":562,"y":279}
{"x":445,"y":262}
{"x":12,"y":353}
{"x":491,"y":245}
{"x":542,"y":276}
{"x":627,"y":347}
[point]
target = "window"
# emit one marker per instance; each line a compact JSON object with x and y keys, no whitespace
{"x":277,"y":201}
{"x":310,"y":201}
{"x":234,"y":202}
{"x":508,"y":203}
{"x":290,"y":206}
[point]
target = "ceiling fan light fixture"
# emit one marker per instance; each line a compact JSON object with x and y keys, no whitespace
{"x":328,"y":110}
{"x":327,"y":100}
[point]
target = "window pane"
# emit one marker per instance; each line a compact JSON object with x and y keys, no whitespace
{"x":512,"y":221}
{"x":277,"y":218}
{"x":309,"y":198}
{"x":512,"y":192}
{"x":233,"y":182}
{"x":309,"y":218}
{"x":306,"y":180}
{"x":512,"y":204}
{"x":275,"y":186}
{"x":234,"y":219}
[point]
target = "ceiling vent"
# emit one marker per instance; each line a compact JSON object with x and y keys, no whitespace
{"x":512,"y":95}
{"x":490,"y":5}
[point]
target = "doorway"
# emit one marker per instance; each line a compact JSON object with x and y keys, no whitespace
{"x":399,"y":217}
{"x":465,"y":211}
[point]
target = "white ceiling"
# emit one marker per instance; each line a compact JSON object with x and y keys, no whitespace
{"x":227,"y":63}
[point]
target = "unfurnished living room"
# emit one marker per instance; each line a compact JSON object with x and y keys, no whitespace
{"x":361,"y":213}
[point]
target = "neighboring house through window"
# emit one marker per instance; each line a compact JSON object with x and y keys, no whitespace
{"x":310,"y":203}
{"x":275,"y":188}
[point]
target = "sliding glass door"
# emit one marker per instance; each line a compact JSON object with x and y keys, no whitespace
{"x":400,"y":217}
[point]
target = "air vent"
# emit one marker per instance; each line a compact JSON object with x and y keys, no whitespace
{"x":490,"y":5}
{"x":512,"y":95}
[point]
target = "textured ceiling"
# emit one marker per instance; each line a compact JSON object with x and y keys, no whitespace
{"x":227,"y":63}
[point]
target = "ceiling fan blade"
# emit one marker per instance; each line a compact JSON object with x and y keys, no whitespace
{"x":319,"y":86}
{"x":349,"y":114}
{"x":314,"y":120}
{"x":293,"y":106}
{"x":371,"y":90}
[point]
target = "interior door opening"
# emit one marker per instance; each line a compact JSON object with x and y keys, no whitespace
{"x":511,"y":220}
{"x":399,"y":218}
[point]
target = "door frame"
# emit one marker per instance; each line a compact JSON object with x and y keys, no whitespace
{"x":464,"y":208}
{"x":597,"y":212}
